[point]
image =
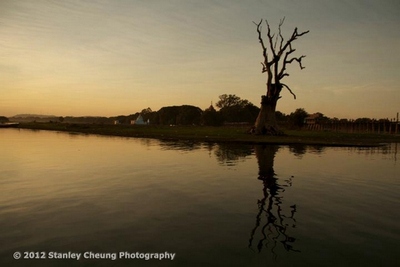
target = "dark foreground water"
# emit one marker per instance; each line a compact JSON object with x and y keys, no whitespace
{"x":70,"y":195}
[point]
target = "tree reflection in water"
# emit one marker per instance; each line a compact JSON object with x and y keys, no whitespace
{"x":272,"y":225}
{"x":230,"y":154}
{"x":271,"y":222}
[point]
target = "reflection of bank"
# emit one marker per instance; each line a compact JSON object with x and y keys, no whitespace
{"x":272,"y":224}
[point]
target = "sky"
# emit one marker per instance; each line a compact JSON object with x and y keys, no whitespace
{"x":117,"y":57}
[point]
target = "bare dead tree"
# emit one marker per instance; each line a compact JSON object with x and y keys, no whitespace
{"x":276,"y":58}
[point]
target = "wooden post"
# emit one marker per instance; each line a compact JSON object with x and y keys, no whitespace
{"x":386,"y":126}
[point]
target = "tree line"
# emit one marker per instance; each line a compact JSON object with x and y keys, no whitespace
{"x":229,"y":110}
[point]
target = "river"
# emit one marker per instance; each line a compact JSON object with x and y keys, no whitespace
{"x":208,"y":204}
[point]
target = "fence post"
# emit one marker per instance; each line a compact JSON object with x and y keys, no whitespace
{"x":390,"y":126}
{"x":386,"y":126}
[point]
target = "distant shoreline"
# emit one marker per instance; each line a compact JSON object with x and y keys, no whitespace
{"x":220,"y":134}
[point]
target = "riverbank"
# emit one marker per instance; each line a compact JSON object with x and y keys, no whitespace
{"x":220,"y":134}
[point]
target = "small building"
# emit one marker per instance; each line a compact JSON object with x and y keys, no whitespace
{"x":313,"y":119}
{"x":117,"y":122}
{"x":139,"y":121}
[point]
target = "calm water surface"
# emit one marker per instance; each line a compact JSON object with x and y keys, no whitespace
{"x":211,"y":204}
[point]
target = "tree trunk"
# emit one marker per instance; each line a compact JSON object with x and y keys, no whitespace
{"x":266,"y":121}
{"x":265,"y":155}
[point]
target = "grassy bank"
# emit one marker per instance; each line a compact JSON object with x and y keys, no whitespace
{"x":220,"y":134}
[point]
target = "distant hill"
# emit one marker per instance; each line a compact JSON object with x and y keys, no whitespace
{"x":33,"y":115}
{"x":171,"y":115}
{"x":3,"y":119}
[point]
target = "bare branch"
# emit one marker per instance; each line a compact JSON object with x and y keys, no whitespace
{"x":279,"y":35}
{"x":275,"y":60}
{"x":290,"y":90}
{"x":282,"y":75}
{"x":264,"y":68}
{"x":294,"y":36}
{"x":280,"y":32}
{"x":298,"y":59}
{"x":266,"y":64}
{"x":265,"y":54}
{"x":301,"y":34}
{"x":276,"y":41}
{"x":271,"y":41}
{"x":285,"y":59}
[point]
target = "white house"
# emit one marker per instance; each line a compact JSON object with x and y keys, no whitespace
{"x":139,"y":121}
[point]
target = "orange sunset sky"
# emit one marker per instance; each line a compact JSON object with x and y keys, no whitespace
{"x":107,"y":58}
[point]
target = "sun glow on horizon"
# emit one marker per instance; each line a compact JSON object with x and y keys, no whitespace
{"x":105,"y":59}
